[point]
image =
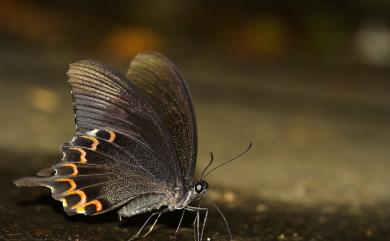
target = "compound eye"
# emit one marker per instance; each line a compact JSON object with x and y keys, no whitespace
{"x":199,"y":187}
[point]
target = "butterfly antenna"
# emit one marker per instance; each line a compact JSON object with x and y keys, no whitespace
{"x":234,"y":158}
{"x":224,"y":219}
{"x":208,"y":165}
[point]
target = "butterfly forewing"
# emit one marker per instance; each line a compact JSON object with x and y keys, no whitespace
{"x":168,"y":93}
{"x":104,"y":98}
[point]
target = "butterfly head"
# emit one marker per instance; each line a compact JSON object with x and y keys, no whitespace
{"x":201,"y":187}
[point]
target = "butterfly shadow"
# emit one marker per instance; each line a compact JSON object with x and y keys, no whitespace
{"x":38,"y":199}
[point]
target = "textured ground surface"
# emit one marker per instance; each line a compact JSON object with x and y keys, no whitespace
{"x":319,"y":169}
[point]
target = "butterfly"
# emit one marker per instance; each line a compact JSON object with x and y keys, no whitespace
{"x":135,"y":145}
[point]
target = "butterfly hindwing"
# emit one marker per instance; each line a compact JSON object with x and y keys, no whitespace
{"x":91,"y":179}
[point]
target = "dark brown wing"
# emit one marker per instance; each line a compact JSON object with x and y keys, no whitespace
{"x":171,"y":99}
{"x":97,"y":174}
{"x":104,"y":98}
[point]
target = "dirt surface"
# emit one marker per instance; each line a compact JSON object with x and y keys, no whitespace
{"x":318,"y":169}
{"x":33,"y":215}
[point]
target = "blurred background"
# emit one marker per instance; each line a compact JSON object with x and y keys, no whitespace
{"x":307,"y":82}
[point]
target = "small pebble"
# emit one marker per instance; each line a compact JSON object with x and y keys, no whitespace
{"x":261,"y":207}
{"x":282,"y":237}
{"x":369,"y":232}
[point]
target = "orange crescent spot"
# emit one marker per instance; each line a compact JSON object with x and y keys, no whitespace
{"x":74,"y":168}
{"x":95,"y":142}
{"x":83,"y":154}
{"x":70,"y":181}
{"x":95,"y":202}
{"x":112,"y":136}
{"x":83,"y":198}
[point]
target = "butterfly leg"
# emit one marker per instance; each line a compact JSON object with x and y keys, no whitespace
{"x":205,"y":218}
{"x":204,"y":221}
{"x":197,"y":218}
{"x":151,"y":227}
{"x":197,"y":225}
{"x":143,"y":226}
{"x":137,"y":235}
{"x":181,"y":219}
{"x":195,"y":231}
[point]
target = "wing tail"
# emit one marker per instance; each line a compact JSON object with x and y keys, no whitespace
{"x":31,"y":182}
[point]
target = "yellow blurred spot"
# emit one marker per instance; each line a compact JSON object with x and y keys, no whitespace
{"x":43,"y":99}
{"x":126,"y":42}
{"x":229,"y":197}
